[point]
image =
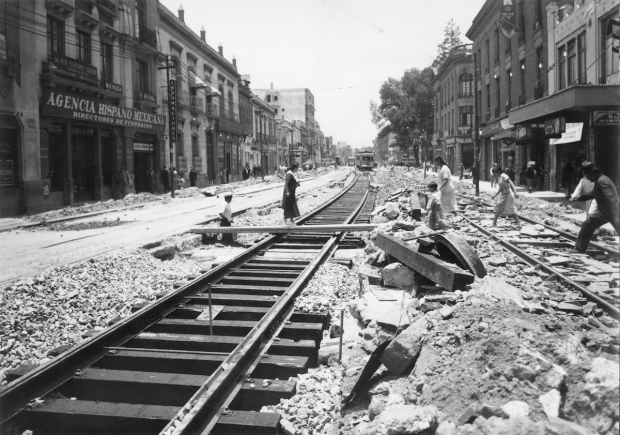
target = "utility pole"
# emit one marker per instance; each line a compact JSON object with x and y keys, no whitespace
{"x":476,"y":171}
{"x":172,"y":116}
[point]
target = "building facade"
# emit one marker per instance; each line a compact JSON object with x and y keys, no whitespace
{"x":453,"y":86}
{"x":264,"y":150}
{"x":512,"y":71}
{"x":580,"y":118}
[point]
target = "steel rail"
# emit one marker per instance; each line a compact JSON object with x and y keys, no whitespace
{"x":569,"y":236}
{"x":611,"y":309}
{"x":15,"y":396}
{"x":204,"y":401}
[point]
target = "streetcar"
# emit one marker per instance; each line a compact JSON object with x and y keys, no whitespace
{"x":350,"y":161}
{"x":365,"y":161}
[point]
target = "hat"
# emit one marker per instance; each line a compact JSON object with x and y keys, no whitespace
{"x":588,"y":168}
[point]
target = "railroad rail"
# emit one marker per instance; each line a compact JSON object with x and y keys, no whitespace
{"x":202,"y":359}
{"x":556,"y":240}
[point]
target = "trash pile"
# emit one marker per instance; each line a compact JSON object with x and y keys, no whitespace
{"x":63,"y":304}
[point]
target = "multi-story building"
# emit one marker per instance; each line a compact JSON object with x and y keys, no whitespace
{"x":381,"y":148}
{"x":512,"y":71}
{"x":246,"y":118}
{"x":264,"y":134}
{"x":453,"y":86}
{"x":329,"y":147}
{"x":580,"y":119}
{"x":77,"y":102}
{"x":344,"y":150}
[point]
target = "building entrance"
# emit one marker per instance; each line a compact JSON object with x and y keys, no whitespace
{"x":142,"y":164}
{"x":83,"y":164}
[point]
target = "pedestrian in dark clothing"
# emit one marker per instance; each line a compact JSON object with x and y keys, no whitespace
{"x":152,"y":181}
{"x":607,"y":200}
{"x":530,"y":174}
{"x":193,"y":176}
{"x":254,"y":171}
{"x":165,"y":179}
{"x":289,"y":201}
{"x":567,"y":179}
{"x":246,"y":171}
{"x":540,"y":178}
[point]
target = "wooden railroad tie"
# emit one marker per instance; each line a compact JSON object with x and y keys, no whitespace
{"x":285,"y":229}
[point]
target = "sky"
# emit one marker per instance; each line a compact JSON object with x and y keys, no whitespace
{"x":342,"y":50}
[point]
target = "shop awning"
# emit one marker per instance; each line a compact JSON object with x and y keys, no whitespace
{"x":506,"y":134}
{"x":201,"y":84}
{"x":574,"y":98}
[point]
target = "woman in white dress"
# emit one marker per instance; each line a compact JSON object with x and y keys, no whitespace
{"x":506,"y":204}
{"x":448,"y":196}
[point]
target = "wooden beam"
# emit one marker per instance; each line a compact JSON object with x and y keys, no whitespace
{"x":286,"y":229}
{"x":447,"y":275}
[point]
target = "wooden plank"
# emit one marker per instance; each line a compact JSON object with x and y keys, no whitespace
{"x":256,"y":393}
{"x":302,"y":331}
{"x":247,"y":423}
{"x":244,"y":300}
{"x":79,"y":416}
{"x":281,"y":367}
{"x":283,"y":282}
{"x":447,"y":275}
{"x":169,"y":362}
{"x":243,"y":289}
{"x":210,"y":313}
{"x":219,"y":340}
{"x":285,"y":229}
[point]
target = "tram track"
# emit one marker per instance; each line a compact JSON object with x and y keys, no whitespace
{"x":182,"y":364}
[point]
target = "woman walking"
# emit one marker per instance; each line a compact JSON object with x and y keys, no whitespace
{"x":289,"y":201}
{"x":448,"y":196}
{"x":506,"y":205}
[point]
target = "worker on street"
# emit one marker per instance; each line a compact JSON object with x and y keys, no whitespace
{"x":508,"y":191}
{"x":165,"y":179}
{"x":193,"y":176}
{"x":433,"y":208}
{"x":226,"y":217}
{"x":607,"y":201}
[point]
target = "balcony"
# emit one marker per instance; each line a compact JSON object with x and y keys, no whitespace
{"x":462,"y":49}
{"x":148,"y":36}
{"x":107,"y":7}
{"x":487,"y":115}
{"x":196,"y":104}
{"x":497,"y":112}
{"x":228,"y":114}
{"x":465,"y":95}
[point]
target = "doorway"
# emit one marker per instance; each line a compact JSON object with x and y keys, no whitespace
{"x":143,"y":162}
{"x":228,"y":167}
{"x":83,"y":167}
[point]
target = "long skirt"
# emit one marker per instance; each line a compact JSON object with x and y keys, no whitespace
{"x":290,"y":208}
{"x":448,"y":198}
{"x":506,"y":205}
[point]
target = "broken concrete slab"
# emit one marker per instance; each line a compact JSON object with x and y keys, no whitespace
{"x":426,"y":359}
{"x":403,"y":351}
{"x":501,"y":290}
{"x":447,"y":275}
{"x":398,"y":275}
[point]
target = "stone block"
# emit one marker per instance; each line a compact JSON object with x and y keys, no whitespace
{"x":392,"y":210}
{"x":398,"y":275}
{"x":550,"y":402}
{"x":516,"y":408}
{"x":403,"y":351}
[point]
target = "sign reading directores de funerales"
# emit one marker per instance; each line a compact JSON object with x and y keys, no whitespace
{"x":86,"y":109}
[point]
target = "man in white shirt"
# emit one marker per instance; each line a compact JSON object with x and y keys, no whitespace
{"x":226,"y":217}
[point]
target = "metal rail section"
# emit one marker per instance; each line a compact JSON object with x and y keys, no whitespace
{"x":611,"y":309}
{"x":45,"y":378}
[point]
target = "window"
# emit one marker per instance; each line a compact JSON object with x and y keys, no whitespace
{"x":581,"y":58}
{"x":54,"y":158}
{"x":106,"y":62}
{"x":191,"y":81}
{"x":55,"y":37}
{"x":561,"y":68}
{"x":521,"y":7}
{"x":107,"y":156}
{"x":180,"y":146}
{"x":488,"y":54}
{"x":143,"y":76}
{"x":497,"y":94}
{"x":488,"y":97}
{"x":539,"y":15}
{"x":571,"y":64}
{"x":195,"y":146}
{"x":466,"y":85}
{"x":230,"y":105}
{"x":496,"y":46}
{"x":610,"y":59}
{"x":83,"y":47}
{"x":522,"y":78}
{"x":275,"y":98}
{"x":269,"y":98}
{"x":466,"y":115}
{"x":509,"y":99}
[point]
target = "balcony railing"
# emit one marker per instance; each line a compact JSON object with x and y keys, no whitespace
{"x":465,"y":95}
{"x":611,"y":79}
{"x":148,"y":36}
{"x":196,"y":104}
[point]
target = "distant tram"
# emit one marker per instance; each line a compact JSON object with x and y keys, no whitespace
{"x":350,"y":161}
{"x":365,"y":161}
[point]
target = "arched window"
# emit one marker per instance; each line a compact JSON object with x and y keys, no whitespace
{"x":466,"y":85}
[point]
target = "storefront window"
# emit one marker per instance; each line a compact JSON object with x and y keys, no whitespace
{"x":55,"y":37}
{"x":195,"y":146}
{"x":8,"y":157}
{"x":83,"y":47}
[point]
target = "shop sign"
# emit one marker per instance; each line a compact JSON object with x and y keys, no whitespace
{"x":82,"y":131}
{"x":451,"y":141}
{"x":530,"y":131}
{"x":138,"y":146}
{"x":555,"y":127}
{"x":492,"y":128}
{"x":74,"y":70}
{"x":7,"y":122}
{"x":463,"y":140}
{"x":6,"y":173}
{"x":606,"y":117}
{"x":172,"y":110}
{"x":80,"y":108}
{"x":572,"y":134}
{"x":468,"y":146}
{"x":113,"y":86}
{"x":464,"y":129}
{"x":505,"y":124}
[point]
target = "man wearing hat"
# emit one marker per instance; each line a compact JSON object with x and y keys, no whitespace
{"x":606,"y":196}
{"x":226,"y":216}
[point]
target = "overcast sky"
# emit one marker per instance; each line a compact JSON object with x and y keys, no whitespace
{"x":342,"y":50}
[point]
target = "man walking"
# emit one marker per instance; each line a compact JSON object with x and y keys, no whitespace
{"x":607,"y":200}
{"x":165,"y":179}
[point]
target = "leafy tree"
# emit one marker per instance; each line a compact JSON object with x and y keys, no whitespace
{"x":451,"y":39}
{"x":406,"y":107}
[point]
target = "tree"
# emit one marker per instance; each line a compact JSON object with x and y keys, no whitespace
{"x":451,"y":39}
{"x":406,"y":107}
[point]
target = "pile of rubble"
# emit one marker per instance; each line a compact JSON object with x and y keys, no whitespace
{"x":63,"y":305}
{"x":330,"y":290}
